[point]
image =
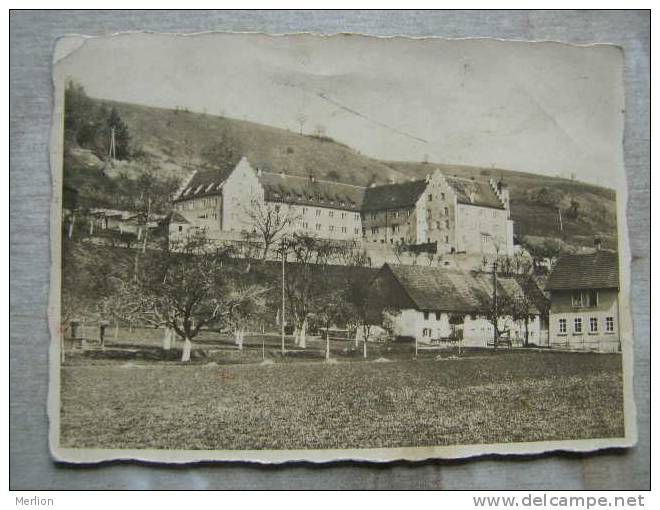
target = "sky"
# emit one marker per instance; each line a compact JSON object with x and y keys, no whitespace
{"x":536,"y":107}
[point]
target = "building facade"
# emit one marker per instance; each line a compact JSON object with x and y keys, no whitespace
{"x":584,"y":302}
{"x":436,"y":304}
{"x":457,"y":215}
{"x":229,"y":204}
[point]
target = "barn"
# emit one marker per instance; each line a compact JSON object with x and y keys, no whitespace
{"x":434,"y":304}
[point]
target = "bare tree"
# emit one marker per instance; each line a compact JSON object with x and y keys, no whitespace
{"x":363,"y":308}
{"x":529,"y":303}
{"x":399,"y":249}
{"x":270,"y":222}
{"x":301,"y":118}
{"x":303,"y":283}
{"x":333,"y":310}
{"x":186,"y":289}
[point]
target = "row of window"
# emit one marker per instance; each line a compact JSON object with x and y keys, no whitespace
{"x":393,"y":214}
{"x":331,"y":214}
{"x":430,"y":197}
{"x":318,"y":198}
{"x":593,"y":325}
{"x":396,"y":214}
{"x":197,"y":204}
{"x":331,"y":228}
{"x":401,"y":239}
{"x":205,"y":216}
{"x":429,"y":213}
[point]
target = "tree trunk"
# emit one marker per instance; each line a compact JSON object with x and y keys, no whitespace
{"x":364,"y":345}
{"x":72,"y":222}
{"x":327,"y":345}
{"x":527,"y":332}
{"x":185,"y":353}
{"x":116,"y":330}
{"x":303,"y":335}
{"x":357,"y":336}
{"x":167,"y":339}
{"x":239,"y":339}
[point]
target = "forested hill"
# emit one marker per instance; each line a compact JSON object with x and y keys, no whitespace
{"x":167,"y":144}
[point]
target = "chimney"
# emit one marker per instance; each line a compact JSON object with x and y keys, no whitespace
{"x":598,"y":243}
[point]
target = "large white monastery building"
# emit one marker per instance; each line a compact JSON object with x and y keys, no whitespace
{"x":458,"y":215}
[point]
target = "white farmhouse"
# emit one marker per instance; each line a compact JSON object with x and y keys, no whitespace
{"x":430,"y":304}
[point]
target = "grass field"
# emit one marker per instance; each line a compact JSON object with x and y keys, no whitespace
{"x":502,"y":397}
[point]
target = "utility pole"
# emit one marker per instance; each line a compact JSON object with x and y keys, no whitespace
{"x":561,"y":225}
{"x":495,"y":311}
{"x":112,"y":151}
{"x":146,"y":225}
{"x":283,"y":303}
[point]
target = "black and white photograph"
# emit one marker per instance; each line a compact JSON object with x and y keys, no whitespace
{"x":303,"y":247}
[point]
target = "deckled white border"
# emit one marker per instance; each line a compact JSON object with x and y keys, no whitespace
{"x":65,"y":48}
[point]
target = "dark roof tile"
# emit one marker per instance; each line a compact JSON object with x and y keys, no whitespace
{"x":393,"y":196}
{"x":599,"y":270}
{"x":432,"y":288}
{"x":305,"y":191}
{"x":481,"y":192}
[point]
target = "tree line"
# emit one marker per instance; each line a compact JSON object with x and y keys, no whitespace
{"x":196,"y":285}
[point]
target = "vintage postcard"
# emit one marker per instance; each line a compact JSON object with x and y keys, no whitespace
{"x":316,"y":248}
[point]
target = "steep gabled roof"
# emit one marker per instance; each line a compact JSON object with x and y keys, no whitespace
{"x":175,"y":217}
{"x":306,"y":191}
{"x":474,"y":192}
{"x":208,"y":182}
{"x":438,"y":289}
{"x":393,"y":196}
{"x":599,"y":270}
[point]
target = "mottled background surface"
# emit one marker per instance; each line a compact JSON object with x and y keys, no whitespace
{"x":32,"y":38}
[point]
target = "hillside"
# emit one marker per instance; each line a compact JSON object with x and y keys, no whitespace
{"x":176,"y":139}
{"x":173,"y":142}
